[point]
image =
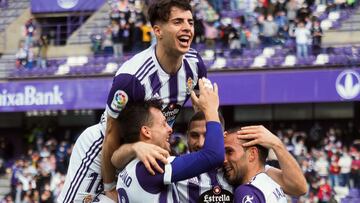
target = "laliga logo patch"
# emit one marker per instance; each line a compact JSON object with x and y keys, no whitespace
{"x":348,"y":84}
{"x":216,"y":195}
{"x":120,"y":100}
{"x":190,"y":85}
{"x":67,"y":4}
{"x":247,"y":199}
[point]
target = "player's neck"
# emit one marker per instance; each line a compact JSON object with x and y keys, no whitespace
{"x":252,"y":172}
{"x":171,"y":63}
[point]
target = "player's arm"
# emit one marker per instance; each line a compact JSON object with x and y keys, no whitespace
{"x":125,"y":88}
{"x":111,"y":143}
{"x":290,"y":177}
{"x":212,"y":153}
{"x":248,"y":193}
{"x":145,"y":152}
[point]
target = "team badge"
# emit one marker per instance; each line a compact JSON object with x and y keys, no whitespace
{"x":190,"y":85}
{"x":87,"y":199}
{"x":120,"y":100}
{"x":216,"y":195}
{"x":247,"y":199}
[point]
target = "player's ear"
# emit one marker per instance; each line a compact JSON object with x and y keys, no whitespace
{"x":253,"y":154}
{"x":145,"y":131}
{"x":157,"y":31}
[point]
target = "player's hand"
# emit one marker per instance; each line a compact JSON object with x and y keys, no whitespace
{"x":208,"y":100}
{"x":148,"y":154}
{"x":258,"y":135}
{"x":112,"y":194}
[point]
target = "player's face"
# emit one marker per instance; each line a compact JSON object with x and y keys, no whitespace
{"x":196,"y":135}
{"x":178,"y":32}
{"x":235,"y":160}
{"x":160,"y":130}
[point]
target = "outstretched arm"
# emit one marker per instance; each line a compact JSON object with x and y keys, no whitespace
{"x":290,"y":177}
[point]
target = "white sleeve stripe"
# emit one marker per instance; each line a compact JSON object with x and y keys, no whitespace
{"x":168,"y":171}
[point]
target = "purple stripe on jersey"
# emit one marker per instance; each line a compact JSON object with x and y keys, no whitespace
{"x":163,"y":194}
{"x":141,"y":74}
{"x":84,"y":167}
{"x":201,"y":67}
{"x":155,"y":83}
{"x":173,"y":88}
{"x":174,"y":196}
{"x":142,"y":66}
{"x":151,"y":184}
{"x":249,"y":193}
{"x":194,"y":191}
{"x":213,"y":177}
{"x":147,"y":72}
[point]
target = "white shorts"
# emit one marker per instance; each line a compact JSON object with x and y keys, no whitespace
{"x":83,"y":179}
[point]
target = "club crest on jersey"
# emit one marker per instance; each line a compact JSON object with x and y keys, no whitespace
{"x":190,"y":85}
{"x":216,"y":195}
{"x":247,"y":199}
{"x":120,"y":100}
{"x":87,"y":199}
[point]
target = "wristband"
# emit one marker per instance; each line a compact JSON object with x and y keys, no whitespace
{"x":109,"y":186}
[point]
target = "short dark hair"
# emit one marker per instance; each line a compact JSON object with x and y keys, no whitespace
{"x":159,"y":10}
{"x":263,"y":151}
{"x":200,"y":116}
{"x":134,"y":116}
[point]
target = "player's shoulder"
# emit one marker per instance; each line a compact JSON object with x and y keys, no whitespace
{"x":248,"y":193}
{"x":262,"y":180}
{"x":192,"y":55}
{"x":138,"y":62}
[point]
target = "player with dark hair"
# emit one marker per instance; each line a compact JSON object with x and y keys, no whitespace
{"x":134,"y":179}
{"x":168,"y":71}
{"x":245,"y":161}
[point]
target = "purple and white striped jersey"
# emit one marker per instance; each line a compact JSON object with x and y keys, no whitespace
{"x":260,"y":189}
{"x":143,"y":78}
{"x":135,"y":185}
{"x":191,"y":190}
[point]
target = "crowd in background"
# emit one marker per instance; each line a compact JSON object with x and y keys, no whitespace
{"x":329,"y":157}
{"x":256,"y":24}
{"x":33,"y":47}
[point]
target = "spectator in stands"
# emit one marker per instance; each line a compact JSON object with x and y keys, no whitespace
{"x":146,"y":30}
{"x":117,"y":39}
{"x":355,"y":170}
{"x":324,"y":192}
{"x":316,"y":33}
{"x":345,"y":162}
{"x":211,"y":34}
{"x":302,"y":35}
{"x":291,"y":8}
{"x":322,"y":166}
{"x":334,"y":170}
{"x":30,"y":30}
{"x":21,"y":56}
{"x":254,"y":36}
{"x":43,"y":49}
{"x":269,"y":32}
{"x":107,"y":44}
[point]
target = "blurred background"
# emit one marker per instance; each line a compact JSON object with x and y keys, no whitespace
{"x":290,"y":65}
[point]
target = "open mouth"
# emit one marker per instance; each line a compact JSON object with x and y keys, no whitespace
{"x":184,"y":40}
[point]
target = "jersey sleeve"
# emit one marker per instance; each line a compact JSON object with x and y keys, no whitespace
{"x":209,"y":157}
{"x":248,"y":193}
{"x":125,"y":88}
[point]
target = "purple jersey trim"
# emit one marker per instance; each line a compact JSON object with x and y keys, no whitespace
{"x":248,"y":193}
{"x":129,"y":84}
